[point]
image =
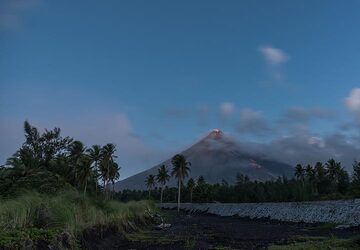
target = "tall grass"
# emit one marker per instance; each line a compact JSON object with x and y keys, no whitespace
{"x":68,"y":212}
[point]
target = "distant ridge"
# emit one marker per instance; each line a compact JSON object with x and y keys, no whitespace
{"x":217,"y":157}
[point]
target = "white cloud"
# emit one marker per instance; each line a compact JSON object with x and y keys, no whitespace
{"x":227,"y":108}
{"x":353,"y":100}
{"x":273,"y":56}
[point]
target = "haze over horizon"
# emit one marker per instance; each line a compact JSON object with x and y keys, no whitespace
{"x":154,"y":77}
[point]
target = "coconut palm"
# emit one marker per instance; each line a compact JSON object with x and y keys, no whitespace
{"x":150,"y":183}
{"x":77,"y":149}
{"x":191,"y":186}
{"x":300,"y":173}
{"x":106,"y":163}
{"x":114,"y":174}
{"x":311,"y":177}
{"x":333,"y":169}
{"x":85,"y":172}
{"x":162,"y":177}
{"x":95,"y":156}
{"x":180,"y":171}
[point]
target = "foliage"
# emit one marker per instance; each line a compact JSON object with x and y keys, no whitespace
{"x":34,"y":216}
{"x":180,"y":171}
{"x":48,"y":162}
{"x":318,"y":182}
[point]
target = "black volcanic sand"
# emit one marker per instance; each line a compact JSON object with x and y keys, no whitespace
{"x":203,"y":231}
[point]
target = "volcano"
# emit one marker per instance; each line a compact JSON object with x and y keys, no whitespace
{"x":217,"y":157}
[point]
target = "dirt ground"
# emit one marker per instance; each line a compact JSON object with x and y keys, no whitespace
{"x":202,"y":231}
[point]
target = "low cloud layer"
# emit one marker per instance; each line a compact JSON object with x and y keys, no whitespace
{"x":253,"y":122}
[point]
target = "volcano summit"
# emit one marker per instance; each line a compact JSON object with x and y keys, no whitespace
{"x":217,"y":157}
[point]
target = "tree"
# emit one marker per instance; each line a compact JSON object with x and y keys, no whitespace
{"x":84,"y":171}
{"x":333,"y":170}
{"x":300,"y":173}
{"x":356,"y":178}
{"x":162,"y":177}
{"x":191,"y":186}
{"x":180,"y":171}
{"x":322,"y":181}
{"x":311,"y":178}
{"x":77,"y":150}
{"x":106,"y":163}
{"x":95,"y":155}
{"x":114,"y":174}
{"x":150,"y":183}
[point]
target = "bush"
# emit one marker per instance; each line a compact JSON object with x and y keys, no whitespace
{"x":33,"y":216}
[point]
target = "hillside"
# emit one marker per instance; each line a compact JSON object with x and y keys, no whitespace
{"x":217,"y":157}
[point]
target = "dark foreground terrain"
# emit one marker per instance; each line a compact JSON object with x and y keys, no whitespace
{"x":202,"y":231}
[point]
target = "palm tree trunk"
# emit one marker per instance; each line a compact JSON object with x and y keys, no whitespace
{"x":179,"y":195}
{"x":149,"y":193}
{"x":85,"y":187}
{"x":191,"y":192}
{"x":161,"y":195}
{"x":96,"y":179}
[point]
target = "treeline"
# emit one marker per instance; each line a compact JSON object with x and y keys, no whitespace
{"x":318,"y":182}
{"x":48,"y":162}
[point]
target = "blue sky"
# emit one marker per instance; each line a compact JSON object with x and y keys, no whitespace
{"x":154,"y":76}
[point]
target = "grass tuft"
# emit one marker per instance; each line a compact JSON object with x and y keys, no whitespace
{"x":33,"y":217}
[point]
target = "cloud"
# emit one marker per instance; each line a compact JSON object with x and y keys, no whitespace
{"x":11,"y":12}
{"x":174,"y":113}
{"x":252,"y":122}
{"x":275,"y":59}
{"x":226,"y":109}
{"x":273,"y":56}
{"x":9,"y":21}
{"x":307,"y":149}
{"x":302,"y":115}
{"x":353,"y":103}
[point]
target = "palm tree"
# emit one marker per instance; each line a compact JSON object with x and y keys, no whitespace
{"x":162,"y":177}
{"x":300,"y":173}
{"x":191,"y":186}
{"x":333,"y":168}
{"x":150,"y":183}
{"x":106,"y":163}
{"x":311,"y":177}
{"x":77,"y":149}
{"x":114,"y":175}
{"x":180,"y":171}
{"x":95,"y":156}
{"x":84,"y":171}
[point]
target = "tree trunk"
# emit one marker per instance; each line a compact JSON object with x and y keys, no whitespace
{"x":191,"y":192}
{"x":179,"y":193}
{"x":96,"y":179}
{"x":85,"y":187}
{"x":161,"y":194}
{"x":149,"y":193}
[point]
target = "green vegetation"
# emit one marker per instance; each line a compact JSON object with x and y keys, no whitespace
{"x":50,"y":193}
{"x":317,"y":243}
{"x":162,"y":178}
{"x":32,"y":217}
{"x":319,"y":182}
{"x":180,"y":171}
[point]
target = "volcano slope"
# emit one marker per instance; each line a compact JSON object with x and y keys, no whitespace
{"x":217,"y":157}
